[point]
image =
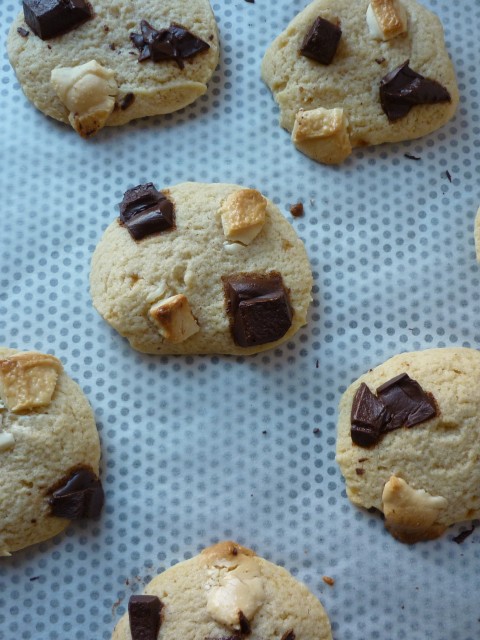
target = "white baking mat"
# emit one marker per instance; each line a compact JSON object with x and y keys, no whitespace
{"x":203,"y":448}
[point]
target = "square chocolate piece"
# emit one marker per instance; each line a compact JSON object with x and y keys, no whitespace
{"x":259,"y":308}
{"x":50,"y":18}
{"x":321,"y":41}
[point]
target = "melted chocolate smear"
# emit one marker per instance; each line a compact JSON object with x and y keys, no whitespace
{"x":400,"y":402}
{"x":245,"y":627}
{"x":175,"y":43}
{"x":146,"y":211}
{"x":144,"y":613}
{"x":403,"y":88}
{"x":321,"y":42}
{"x":50,"y":18}
{"x":80,"y":496}
{"x":258,"y":306}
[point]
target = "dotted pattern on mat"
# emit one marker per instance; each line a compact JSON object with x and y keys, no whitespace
{"x":204,"y":448}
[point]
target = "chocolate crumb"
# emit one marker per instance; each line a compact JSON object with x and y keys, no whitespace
{"x":112,"y":46}
{"x":463,"y":535}
{"x":33,"y":521}
{"x":34,"y":578}
{"x":379,"y":60}
{"x":245,"y":627}
{"x":127,"y":101}
{"x":289,"y":635}
{"x":359,"y":472}
{"x":297,"y":210}
{"x":49,"y":46}
{"x":316,"y":431}
{"x":264,"y":432}
{"x":317,"y":364}
{"x":23,"y":32}
{"x":362,"y":459}
{"x":234,"y":551}
{"x":328,"y":580}
{"x":250,"y":1}
{"x":449,"y":176}
{"x":410,"y":157}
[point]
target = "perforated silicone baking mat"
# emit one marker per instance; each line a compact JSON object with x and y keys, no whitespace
{"x":198,"y":449}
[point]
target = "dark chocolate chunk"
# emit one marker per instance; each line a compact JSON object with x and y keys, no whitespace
{"x":245,"y":627}
{"x":403,"y":88}
{"x":289,"y":635}
{"x":258,"y":306}
{"x":400,"y":402}
{"x":406,"y":401}
{"x":368,"y":417}
{"x":297,"y":210}
{"x":50,"y":18}
{"x":127,"y":101}
{"x":321,"y":41}
{"x":146,"y":211}
{"x":80,"y":495}
{"x":449,"y":175}
{"x":144,"y":613}
{"x":22,"y":32}
{"x":175,"y":43}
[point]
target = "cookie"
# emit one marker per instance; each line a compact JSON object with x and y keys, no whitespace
{"x":349,"y":74}
{"x":201,"y":268}
{"x":49,"y":451}
{"x":105,"y":63}
{"x":225,"y":592}
{"x":408,"y":441}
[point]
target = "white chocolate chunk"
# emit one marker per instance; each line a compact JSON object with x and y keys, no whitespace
{"x":7,"y":441}
{"x":322,"y":134}
{"x":234,"y":588}
{"x":243,"y":215}
{"x":28,"y":380}
{"x":174,"y":318}
{"x":88,"y":91}
{"x":411,"y":515}
{"x":386,"y":19}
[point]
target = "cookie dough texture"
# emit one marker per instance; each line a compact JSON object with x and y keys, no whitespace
{"x":352,"y":80}
{"x":199,"y":592}
{"x":427,"y":477}
{"x":128,"y":278}
{"x":48,"y":442}
{"x":157,"y":87}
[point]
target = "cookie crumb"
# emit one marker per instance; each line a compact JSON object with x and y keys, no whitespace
{"x":328,"y":580}
{"x":449,"y":176}
{"x":297,"y":210}
{"x":23,"y":32}
{"x":463,"y":535}
{"x":410,"y":157}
